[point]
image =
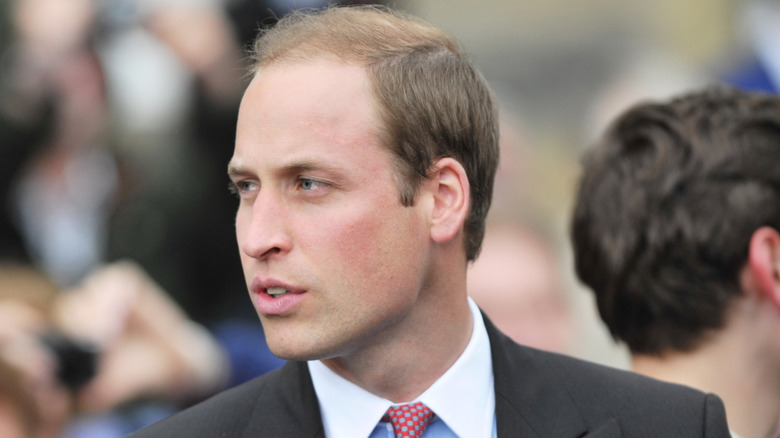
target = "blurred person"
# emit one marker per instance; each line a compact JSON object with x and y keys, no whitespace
{"x":516,"y":281}
{"x":27,"y":296}
{"x":153,"y":359}
{"x":60,"y":178}
{"x":108,"y":357}
{"x":365,"y":154}
{"x":174,"y":78}
{"x":148,"y":346}
{"x":675,"y":229}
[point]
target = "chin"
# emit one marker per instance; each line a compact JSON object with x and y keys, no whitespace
{"x":301,"y":343}
{"x":286,"y":351}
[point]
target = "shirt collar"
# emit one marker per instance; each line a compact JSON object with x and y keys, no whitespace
{"x":467,"y":387}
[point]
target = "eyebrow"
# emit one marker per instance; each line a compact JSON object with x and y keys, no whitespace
{"x":235,"y":170}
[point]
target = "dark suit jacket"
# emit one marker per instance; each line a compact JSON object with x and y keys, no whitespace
{"x":538,"y":394}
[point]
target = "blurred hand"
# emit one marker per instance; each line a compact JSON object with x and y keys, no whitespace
{"x":150,"y":348}
{"x":205,"y":41}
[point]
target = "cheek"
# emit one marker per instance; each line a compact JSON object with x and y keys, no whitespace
{"x":379,"y":250}
{"x":351,"y":242}
{"x":365,"y":242}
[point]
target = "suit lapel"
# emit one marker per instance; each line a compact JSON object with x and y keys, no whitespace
{"x":287,"y":406}
{"x":530,"y":400}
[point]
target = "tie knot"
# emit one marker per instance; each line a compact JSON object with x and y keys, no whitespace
{"x":409,"y":420}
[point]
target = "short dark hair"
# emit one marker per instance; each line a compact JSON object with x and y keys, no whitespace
{"x":665,"y":210}
{"x":432,"y":100}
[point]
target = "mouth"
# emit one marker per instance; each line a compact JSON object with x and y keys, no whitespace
{"x":276,"y":292}
{"x":272,"y":298}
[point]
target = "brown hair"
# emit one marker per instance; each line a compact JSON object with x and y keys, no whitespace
{"x":433,"y":101}
{"x":666,"y":208}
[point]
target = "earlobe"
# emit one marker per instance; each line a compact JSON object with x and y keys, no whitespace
{"x":764,"y":263}
{"x":450,"y":187}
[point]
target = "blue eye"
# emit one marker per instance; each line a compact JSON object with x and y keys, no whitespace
{"x":240,"y":187}
{"x":309,"y":184}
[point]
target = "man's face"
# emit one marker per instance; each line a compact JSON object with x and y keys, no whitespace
{"x":319,"y":219}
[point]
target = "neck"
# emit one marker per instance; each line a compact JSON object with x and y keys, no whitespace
{"x":417,"y":351}
{"x":738,"y":364}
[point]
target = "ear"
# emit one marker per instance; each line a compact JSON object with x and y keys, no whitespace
{"x":763,"y":267}
{"x":450,"y":189}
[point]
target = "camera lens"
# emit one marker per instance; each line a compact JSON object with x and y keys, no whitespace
{"x":76,"y":360}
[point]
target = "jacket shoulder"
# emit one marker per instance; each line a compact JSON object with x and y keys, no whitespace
{"x":280,"y":403}
{"x":218,"y":416}
{"x":540,"y":388}
{"x":642,"y":406}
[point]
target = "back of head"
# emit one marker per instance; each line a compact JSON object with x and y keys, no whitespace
{"x":666,"y":207}
{"x":432,"y":100}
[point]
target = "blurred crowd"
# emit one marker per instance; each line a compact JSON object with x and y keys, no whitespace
{"x":121,"y":292}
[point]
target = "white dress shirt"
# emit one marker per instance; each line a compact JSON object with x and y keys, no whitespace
{"x":463,"y":398}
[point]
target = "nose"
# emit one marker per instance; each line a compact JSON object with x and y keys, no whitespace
{"x":261,"y":228}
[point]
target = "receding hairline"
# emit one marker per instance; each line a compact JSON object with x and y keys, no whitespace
{"x":363,"y":35}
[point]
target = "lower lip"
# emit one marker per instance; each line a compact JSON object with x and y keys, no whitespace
{"x":268,"y":305}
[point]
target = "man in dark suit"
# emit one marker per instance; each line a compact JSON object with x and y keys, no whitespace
{"x":366,"y":149}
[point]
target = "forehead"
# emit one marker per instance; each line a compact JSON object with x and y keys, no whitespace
{"x":317,"y":90}
{"x":308,"y":107}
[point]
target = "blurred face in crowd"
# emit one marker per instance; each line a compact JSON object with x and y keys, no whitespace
{"x":333,"y":261}
{"x":54,"y":26}
{"x":516,"y":282}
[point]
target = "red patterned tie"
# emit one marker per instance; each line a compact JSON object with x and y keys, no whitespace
{"x":409,"y":421}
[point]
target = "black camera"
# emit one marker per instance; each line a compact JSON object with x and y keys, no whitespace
{"x":76,"y":360}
